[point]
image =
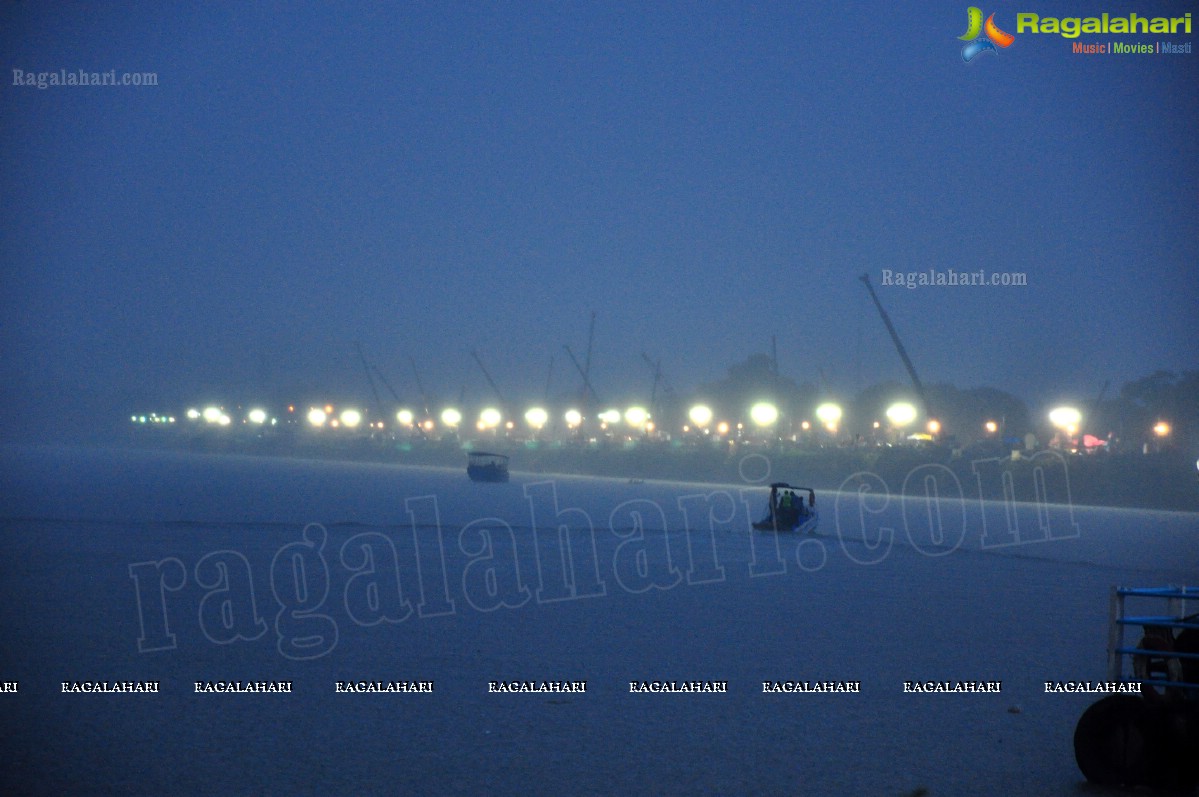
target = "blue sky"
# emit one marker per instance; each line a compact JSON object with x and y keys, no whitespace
{"x":433,"y":178}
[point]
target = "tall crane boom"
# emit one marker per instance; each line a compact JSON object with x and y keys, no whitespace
{"x":424,"y":397}
{"x":369,"y":378}
{"x":903,"y":355}
{"x":487,"y":376}
{"x":387,"y":384}
{"x":590,"y":343}
{"x":590,"y":391}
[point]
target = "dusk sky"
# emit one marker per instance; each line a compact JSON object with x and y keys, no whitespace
{"x":433,"y":178}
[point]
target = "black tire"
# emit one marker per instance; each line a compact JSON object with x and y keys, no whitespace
{"x":1172,"y":734}
{"x":1110,"y":743}
{"x":1188,"y":760}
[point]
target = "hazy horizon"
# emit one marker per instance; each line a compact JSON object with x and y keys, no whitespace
{"x":431,"y":180}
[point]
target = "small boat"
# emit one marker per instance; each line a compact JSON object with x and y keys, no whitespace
{"x":788,"y":511}
{"x":483,"y":466}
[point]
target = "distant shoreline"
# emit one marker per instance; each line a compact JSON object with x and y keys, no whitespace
{"x":1166,"y":480}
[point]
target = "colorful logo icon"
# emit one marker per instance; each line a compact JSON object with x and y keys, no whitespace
{"x":976,"y":44}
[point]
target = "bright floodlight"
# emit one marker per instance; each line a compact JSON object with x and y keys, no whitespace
{"x":490,"y":418}
{"x":722,"y":427}
{"x":213,"y":414}
{"x":828,"y":413}
{"x":991,"y":427}
{"x":317,"y":416}
{"x":1161,"y":429}
{"x":1065,"y":417}
{"x":763,"y":413}
{"x":351,"y":418}
{"x":404,"y":417}
{"x":224,"y":420}
{"x":610,"y":416}
{"x":451,"y":417}
{"x":901,"y":413}
{"x":193,"y":414}
{"x":573,"y":418}
{"x":636,"y":416}
{"x":257,"y":415}
{"x":700,"y":415}
{"x":934,"y":426}
{"x":537,"y":417}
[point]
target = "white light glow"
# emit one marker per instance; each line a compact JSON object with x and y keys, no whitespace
{"x":1065,"y":417}
{"x":490,"y":418}
{"x":213,"y":414}
{"x":537,"y":417}
{"x":636,"y":416}
{"x":573,"y":418}
{"x":451,"y":416}
{"x":257,"y":415}
{"x":405,"y":417}
{"x":901,"y":413}
{"x":351,"y":418}
{"x":610,"y":416}
{"x":317,"y":416}
{"x":828,"y":413}
{"x":700,"y":415}
{"x":763,"y":413}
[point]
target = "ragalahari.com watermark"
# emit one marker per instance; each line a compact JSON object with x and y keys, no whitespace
{"x":82,"y":78}
{"x":949,"y":278}
{"x":331,"y":580}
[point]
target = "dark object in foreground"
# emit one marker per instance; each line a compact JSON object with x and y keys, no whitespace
{"x":1150,"y":739}
{"x":482,"y":466}
{"x":787,"y":511}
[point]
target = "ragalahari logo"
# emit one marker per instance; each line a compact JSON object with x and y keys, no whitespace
{"x":976,"y":44}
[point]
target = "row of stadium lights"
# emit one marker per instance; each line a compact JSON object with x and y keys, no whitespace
{"x":1069,"y":420}
{"x":763,"y":414}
